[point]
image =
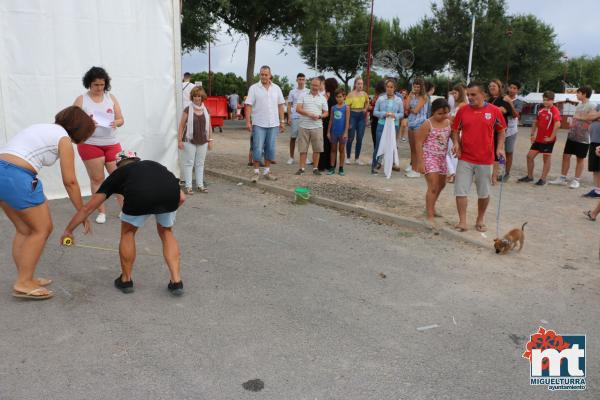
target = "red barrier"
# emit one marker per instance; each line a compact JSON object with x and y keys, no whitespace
{"x":217,"y":108}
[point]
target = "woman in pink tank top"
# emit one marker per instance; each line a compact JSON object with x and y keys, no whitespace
{"x":431,"y":141}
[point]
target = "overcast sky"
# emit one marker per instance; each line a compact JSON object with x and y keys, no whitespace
{"x":575,"y":29}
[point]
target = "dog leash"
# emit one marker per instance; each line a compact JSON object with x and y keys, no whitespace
{"x":502,"y":163}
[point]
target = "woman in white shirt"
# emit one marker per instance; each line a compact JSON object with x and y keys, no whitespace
{"x":100,"y":151}
{"x":21,"y":194}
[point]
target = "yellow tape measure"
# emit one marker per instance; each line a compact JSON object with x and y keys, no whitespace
{"x":67,"y":242}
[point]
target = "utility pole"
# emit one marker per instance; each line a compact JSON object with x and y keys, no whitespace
{"x":316,"y":50}
{"x":369,"y":52}
{"x":471,"y":49}
{"x":509,"y":33}
{"x":209,"y":75}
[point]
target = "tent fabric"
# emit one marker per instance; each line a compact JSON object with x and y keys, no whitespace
{"x":47,"y":46}
{"x":537,"y":97}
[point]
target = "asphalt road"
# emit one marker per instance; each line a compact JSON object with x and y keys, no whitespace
{"x":315,"y":303}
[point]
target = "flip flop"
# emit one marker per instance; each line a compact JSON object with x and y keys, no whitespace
{"x":43,"y":281}
{"x":588,"y":214}
{"x":481,"y":228}
{"x":31,"y":295}
{"x":459,"y":228}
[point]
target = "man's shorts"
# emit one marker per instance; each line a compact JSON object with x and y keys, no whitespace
{"x":509,"y":143}
{"x":465,"y":171}
{"x":19,"y":187}
{"x":91,"y":151}
{"x":295,"y":128}
{"x":166,"y":220}
{"x":544,"y":148}
{"x":263,"y":142}
{"x":580,"y":150}
{"x":313,"y":136}
{"x":593,"y":159}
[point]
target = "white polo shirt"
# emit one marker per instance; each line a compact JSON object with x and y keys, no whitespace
{"x":265,"y":104}
{"x":313,"y":104}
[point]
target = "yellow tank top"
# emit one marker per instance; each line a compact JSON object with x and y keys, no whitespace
{"x":357,"y":102}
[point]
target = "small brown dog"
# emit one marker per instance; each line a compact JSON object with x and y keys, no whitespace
{"x":509,"y":241}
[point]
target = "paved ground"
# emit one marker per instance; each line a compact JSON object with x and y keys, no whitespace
{"x":293,"y":296}
{"x":556,"y":226}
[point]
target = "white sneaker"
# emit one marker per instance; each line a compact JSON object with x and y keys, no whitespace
{"x":413,"y":174}
{"x":308,"y":162}
{"x":290,"y":161}
{"x":359,"y":162}
{"x":561,"y":180}
{"x":101,"y":218}
{"x":574,"y":184}
{"x":348,"y":161}
{"x":408,"y":168}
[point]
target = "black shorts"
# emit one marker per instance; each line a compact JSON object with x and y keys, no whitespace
{"x":580,"y":150}
{"x":544,"y":148}
{"x":593,"y":159}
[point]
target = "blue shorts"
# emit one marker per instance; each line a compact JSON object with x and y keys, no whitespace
{"x":19,"y":187}
{"x":263,"y":142}
{"x":338,"y":138}
{"x":166,"y":220}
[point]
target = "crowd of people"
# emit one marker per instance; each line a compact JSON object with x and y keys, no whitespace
{"x":463,"y":139}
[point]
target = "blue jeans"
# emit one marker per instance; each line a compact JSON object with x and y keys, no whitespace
{"x":357,"y":128}
{"x":263,"y":142}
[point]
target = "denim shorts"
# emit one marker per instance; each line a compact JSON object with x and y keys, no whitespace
{"x":19,"y":187}
{"x":295,"y":128}
{"x":166,"y":220}
{"x":264,"y":140}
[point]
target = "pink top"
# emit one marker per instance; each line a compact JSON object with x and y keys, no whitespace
{"x":437,"y":140}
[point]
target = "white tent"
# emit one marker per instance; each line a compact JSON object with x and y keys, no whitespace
{"x":47,"y":46}
{"x":534,"y":98}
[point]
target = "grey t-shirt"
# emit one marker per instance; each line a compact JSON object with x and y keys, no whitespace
{"x":595,"y":129}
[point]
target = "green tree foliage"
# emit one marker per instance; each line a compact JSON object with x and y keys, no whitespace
{"x":197,"y":24}
{"x":226,"y":84}
{"x":343,"y":43}
{"x":575,"y":72}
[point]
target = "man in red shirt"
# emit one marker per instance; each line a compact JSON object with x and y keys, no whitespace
{"x":547,"y":125}
{"x":474,"y":145}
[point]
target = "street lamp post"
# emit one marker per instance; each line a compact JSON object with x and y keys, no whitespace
{"x":566,"y":61}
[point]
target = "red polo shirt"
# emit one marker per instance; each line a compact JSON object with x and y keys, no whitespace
{"x":477,"y":137}
{"x":546,"y":120}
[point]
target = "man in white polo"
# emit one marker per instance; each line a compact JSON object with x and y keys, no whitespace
{"x":312,"y":108}
{"x":264,"y":119}
{"x":292,"y":115}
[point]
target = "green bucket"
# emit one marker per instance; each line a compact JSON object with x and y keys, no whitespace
{"x":302,"y":195}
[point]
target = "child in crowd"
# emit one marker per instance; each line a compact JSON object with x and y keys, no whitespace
{"x":337,"y":131}
{"x":431,"y":143}
{"x":543,"y":137}
{"x":578,"y":140}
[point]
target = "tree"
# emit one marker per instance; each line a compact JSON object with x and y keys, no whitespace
{"x":197,"y":24}
{"x":343,"y":43}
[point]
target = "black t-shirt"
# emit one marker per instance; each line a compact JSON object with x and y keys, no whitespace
{"x":499,"y":102}
{"x":147,"y":188}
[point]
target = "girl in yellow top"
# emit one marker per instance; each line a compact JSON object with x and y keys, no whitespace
{"x":358,"y":100}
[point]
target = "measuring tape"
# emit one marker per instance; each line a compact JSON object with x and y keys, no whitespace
{"x":68,"y":242}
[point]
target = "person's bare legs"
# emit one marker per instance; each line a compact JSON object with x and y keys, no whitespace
{"x":170,"y":251}
{"x":431,"y":195}
{"x":531,"y":162}
{"x":333,"y":155}
{"x":33,"y":227}
{"x":303,"y":160}
{"x":413,"y":148}
{"x":461,"y":206}
{"x":566,"y":164}
{"x":482,"y":205}
{"x":547,"y":165}
{"x":579,"y":168}
{"x":596,"y":211}
{"x":95,"y":170}
{"x":315,"y":157}
{"x":342,"y":151}
{"x":292,"y":147}
{"x":127,"y":250}
{"x":495,"y":171}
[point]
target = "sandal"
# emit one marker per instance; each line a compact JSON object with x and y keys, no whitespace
{"x":202,"y":189}
{"x":34,"y":294}
{"x":588,"y":214}
{"x":459,"y":228}
{"x":481,"y":228}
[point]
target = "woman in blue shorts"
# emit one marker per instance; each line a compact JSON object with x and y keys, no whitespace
{"x":22,"y":196}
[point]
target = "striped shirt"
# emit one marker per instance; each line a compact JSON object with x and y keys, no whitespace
{"x":314,"y":105}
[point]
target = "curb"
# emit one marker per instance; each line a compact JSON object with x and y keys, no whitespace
{"x":360,"y":210}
